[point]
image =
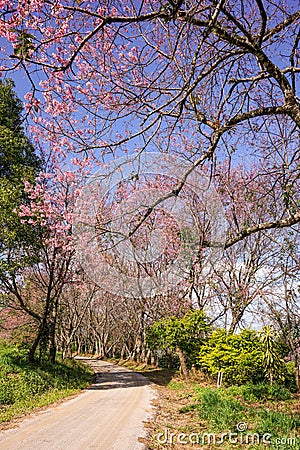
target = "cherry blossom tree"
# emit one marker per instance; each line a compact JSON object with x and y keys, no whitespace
{"x":37,"y":288}
{"x":211,"y":81}
{"x":214,"y":82}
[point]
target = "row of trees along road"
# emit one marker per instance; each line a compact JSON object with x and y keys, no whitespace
{"x":213,"y":82}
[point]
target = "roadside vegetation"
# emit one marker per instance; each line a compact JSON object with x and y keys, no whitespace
{"x":253,"y":403}
{"x":248,"y":356}
{"x":201,"y":415}
{"x":25,"y":386}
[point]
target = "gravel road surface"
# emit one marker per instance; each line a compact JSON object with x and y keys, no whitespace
{"x":109,"y":415}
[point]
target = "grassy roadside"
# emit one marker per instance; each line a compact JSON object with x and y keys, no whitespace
{"x":259,"y":416}
{"x":25,"y":387}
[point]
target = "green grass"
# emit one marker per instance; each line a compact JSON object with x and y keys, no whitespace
{"x":265,"y":409}
{"x":258,"y":392}
{"x":220,"y":412}
{"x":25,"y":386}
{"x":176,"y":385}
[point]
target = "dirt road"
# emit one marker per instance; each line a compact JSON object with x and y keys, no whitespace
{"x":107,"y":416}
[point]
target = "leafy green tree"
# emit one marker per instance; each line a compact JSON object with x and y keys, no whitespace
{"x":238,"y":355}
{"x":17,"y":155}
{"x":18,"y":163}
{"x":182,"y":335}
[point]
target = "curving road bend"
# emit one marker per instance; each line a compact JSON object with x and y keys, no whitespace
{"x":109,"y":415}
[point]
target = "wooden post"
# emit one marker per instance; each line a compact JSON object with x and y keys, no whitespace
{"x":220,"y":377}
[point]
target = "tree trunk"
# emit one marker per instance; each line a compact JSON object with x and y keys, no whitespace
{"x":52,"y":354}
{"x":297,"y":376}
{"x":294,"y":351}
{"x":182,"y":363}
{"x":31,"y":355}
{"x":122,"y":352}
{"x":52,"y":343}
{"x":36,"y":342}
{"x":147,"y":357}
{"x":297,"y":368}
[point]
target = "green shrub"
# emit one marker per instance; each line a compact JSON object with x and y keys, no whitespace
{"x":290,"y":376}
{"x":232,"y":391}
{"x":255,"y":392}
{"x":273,"y":363}
{"x":278,"y":392}
{"x":186,"y":333}
{"x":238,"y":356}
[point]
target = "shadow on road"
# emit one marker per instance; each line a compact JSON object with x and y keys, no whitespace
{"x":161,"y":377}
{"x":115,"y":379}
{"x":110,"y":376}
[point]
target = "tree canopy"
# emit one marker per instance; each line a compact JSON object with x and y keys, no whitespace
{"x":18,"y":159}
{"x":212,"y":81}
{"x":18,"y":164}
